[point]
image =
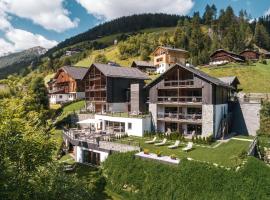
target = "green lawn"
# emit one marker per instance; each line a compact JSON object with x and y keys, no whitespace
{"x":227,"y":154}
{"x":111,"y":54}
{"x":73,"y":107}
{"x":253,"y":78}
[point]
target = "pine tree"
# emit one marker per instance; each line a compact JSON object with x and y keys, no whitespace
{"x":261,"y":37}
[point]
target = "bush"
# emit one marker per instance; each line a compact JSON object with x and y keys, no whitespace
{"x":159,"y":153}
{"x":173,"y":156}
{"x":146,"y":151}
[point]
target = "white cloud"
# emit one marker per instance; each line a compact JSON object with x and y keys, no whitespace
{"x":5,"y":47}
{"x":267,"y":12}
{"x":110,"y":9}
{"x":22,"y":39}
{"x":17,"y":39}
{"x":50,"y":14}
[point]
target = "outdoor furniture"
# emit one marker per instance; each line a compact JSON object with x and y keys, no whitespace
{"x":161,"y":143}
{"x":176,"y":144}
{"x":151,"y":141}
{"x":168,"y":132}
{"x":188,"y":147}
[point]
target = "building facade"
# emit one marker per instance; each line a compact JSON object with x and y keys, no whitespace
{"x":188,"y":101}
{"x":67,"y":85}
{"x":165,"y":57}
{"x":115,"y":94}
{"x":221,"y":56}
{"x":250,"y":55}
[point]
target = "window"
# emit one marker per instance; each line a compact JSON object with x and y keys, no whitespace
{"x":129,"y":126}
{"x":60,"y":96}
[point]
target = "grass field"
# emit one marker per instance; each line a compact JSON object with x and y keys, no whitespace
{"x":254,"y":78}
{"x":73,"y":107}
{"x":111,"y":54}
{"x":227,"y":154}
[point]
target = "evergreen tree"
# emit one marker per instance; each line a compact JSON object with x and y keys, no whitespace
{"x":66,"y":61}
{"x":101,"y":58}
{"x":261,"y":37}
{"x":39,"y":90}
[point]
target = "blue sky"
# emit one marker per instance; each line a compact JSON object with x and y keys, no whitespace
{"x":28,"y":23}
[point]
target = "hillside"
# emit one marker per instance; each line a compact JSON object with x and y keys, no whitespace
{"x":16,"y":62}
{"x":121,"y":25}
{"x":254,"y":78}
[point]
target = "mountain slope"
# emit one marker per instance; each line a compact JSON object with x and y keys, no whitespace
{"x":121,"y":25}
{"x":15,"y":62}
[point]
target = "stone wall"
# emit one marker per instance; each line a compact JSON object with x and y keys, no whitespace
{"x":207,"y":120}
{"x":153,"y":112}
{"x":246,"y":118}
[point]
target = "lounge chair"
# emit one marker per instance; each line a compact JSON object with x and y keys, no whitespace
{"x":161,"y":143}
{"x":188,"y":147}
{"x":176,"y":144}
{"x":151,"y":141}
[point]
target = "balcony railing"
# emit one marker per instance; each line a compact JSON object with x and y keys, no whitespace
{"x":95,"y":87}
{"x":100,"y":99}
{"x":179,"y":83}
{"x":180,"y":116}
{"x":182,"y":99}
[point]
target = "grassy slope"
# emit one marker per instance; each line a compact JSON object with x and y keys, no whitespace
{"x":254,"y":78}
{"x":71,"y":108}
{"x":112,"y":53}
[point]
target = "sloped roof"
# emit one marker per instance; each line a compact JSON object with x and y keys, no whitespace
{"x":171,"y":49}
{"x":76,"y":73}
{"x":144,"y":63}
{"x":194,"y":71}
{"x":121,"y":72}
{"x":229,"y":79}
{"x":230,"y":54}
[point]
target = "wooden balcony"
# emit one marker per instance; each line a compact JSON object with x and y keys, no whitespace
{"x":180,"y":117}
{"x":97,"y":99}
{"x":95,"y":88}
{"x":193,"y":100}
{"x":178,"y":84}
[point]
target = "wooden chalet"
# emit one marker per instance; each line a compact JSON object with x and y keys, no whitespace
{"x":165,"y":57}
{"x":188,"y":101}
{"x":67,"y":84}
{"x":250,"y":55}
{"x":108,"y":88}
{"x":144,"y":66}
{"x":222,"y":56}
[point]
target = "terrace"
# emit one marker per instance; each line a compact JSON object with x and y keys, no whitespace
{"x":194,"y":100}
{"x":101,"y":141}
{"x":181,"y":117}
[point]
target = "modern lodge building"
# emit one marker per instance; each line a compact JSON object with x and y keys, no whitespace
{"x":188,"y":101}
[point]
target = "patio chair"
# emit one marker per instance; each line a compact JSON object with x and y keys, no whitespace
{"x":161,"y":143}
{"x":151,"y":141}
{"x":188,"y":147}
{"x":176,"y":144}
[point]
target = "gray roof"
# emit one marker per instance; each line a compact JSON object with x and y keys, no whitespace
{"x":194,"y":71}
{"x":77,"y":73}
{"x":144,"y":63}
{"x":121,"y":72}
{"x":229,"y":79}
{"x":175,"y":49}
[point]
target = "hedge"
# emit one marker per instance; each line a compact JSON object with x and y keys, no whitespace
{"x":135,"y":178}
